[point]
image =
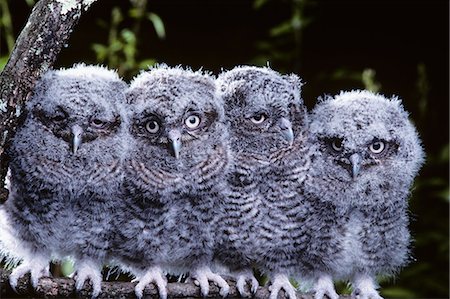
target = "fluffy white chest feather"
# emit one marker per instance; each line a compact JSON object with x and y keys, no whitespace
{"x":352,"y":252}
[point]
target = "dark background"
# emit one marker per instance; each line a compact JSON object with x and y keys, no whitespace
{"x":403,"y":44}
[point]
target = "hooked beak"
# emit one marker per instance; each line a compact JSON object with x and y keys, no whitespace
{"x":77,"y":133}
{"x":286,"y":130}
{"x":355,"y":160}
{"x":174,"y":137}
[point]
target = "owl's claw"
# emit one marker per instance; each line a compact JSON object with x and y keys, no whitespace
{"x":324,"y":286}
{"x":364,"y":288}
{"x":241,"y":280}
{"x":37,"y":268}
{"x":279,"y":282}
{"x":203,"y":275}
{"x":154,"y":275}
{"x":89,"y":271}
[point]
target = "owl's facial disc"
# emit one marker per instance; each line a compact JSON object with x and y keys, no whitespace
{"x":174,"y":136}
{"x":286,"y":130}
{"x":77,"y":133}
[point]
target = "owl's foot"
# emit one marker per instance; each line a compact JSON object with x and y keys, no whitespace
{"x":241,"y":280}
{"x":88,"y":270}
{"x":324,"y":286}
{"x":154,"y":275}
{"x":202,"y":277}
{"x":38,"y":267}
{"x":281,"y":281}
{"x":365,"y":288}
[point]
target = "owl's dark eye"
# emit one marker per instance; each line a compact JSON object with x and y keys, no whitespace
{"x":98,"y":123}
{"x":377,"y":147}
{"x":336,"y":144}
{"x":192,"y":122}
{"x":258,"y":118}
{"x":152,"y":126}
{"x":59,"y":118}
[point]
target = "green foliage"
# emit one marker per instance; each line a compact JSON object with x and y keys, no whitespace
{"x":284,"y":40}
{"x":121,"y":51}
{"x":67,"y":268}
{"x":6,"y":29}
{"x":368,"y":79}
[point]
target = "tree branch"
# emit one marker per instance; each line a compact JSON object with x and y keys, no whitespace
{"x":65,"y":288}
{"x":37,"y":47}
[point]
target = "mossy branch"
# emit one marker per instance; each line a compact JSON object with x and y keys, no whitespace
{"x":65,"y":288}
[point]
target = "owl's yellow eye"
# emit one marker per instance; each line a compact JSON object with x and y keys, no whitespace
{"x":192,"y":122}
{"x":377,"y":147}
{"x":258,"y":118}
{"x":152,"y":126}
{"x":336,"y":144}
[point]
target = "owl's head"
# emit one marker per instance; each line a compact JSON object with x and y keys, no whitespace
{"x":176,"y":118}
{"x":73,"y":110}
{"x":366,"y":143}
{"x":263,"y":108}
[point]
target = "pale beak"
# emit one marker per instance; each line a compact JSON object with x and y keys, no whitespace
{"x":286,"y":130}
{"x":174,"y":137}
{"x":355,"y":160}
{"x":77,"y":133}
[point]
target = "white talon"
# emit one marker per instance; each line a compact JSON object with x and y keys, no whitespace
{"x":279,"y":282}
{"x":241,"y":280}
{"x":364,"y":287}
{"x":152,"y":275}
{"x":89,"y":271}
{"x":38,"y":268}
{"x":204,"y":275}
{"x":324,"y":286}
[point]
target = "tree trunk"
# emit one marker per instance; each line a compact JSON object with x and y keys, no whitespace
{"x":37,"y":47}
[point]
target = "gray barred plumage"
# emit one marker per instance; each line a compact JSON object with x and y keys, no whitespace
{"x":367,"y":154}
{"x":176,"y":163}
{"x":264,"y":111}
{"x":65,"y":174}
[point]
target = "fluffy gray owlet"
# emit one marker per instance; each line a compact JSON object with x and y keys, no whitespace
{"x":174,"y":178}
{"x":257,"y":226}
{"x":65,"y":174}
{"x":367,"y":155}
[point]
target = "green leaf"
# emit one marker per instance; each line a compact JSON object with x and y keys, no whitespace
{"x":146,"y":63}
{"x":283,"y":28}
{"x":397,"y":292}
{"x":135,"y":13}
{"x":259,"y":3}
{"x":67,"y":268}
{"x":368,"y":79}
{"x":128,"y":36}
{"x":444,"y":155}
{"x":158,"y":25}
{"x":3,"y":62}
{"x":116,"y":15}
{"x":115,"y":46}
{"x":30,"y":3}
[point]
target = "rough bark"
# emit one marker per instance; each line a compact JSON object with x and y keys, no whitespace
{"x":65,"y":288}
{"x":37,"y":47}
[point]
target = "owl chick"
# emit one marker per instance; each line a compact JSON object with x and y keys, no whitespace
{"x":174,"y":178}
{"x":264,"y":111}
{"x":65,"y":174}
{"x":367,"y":154}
